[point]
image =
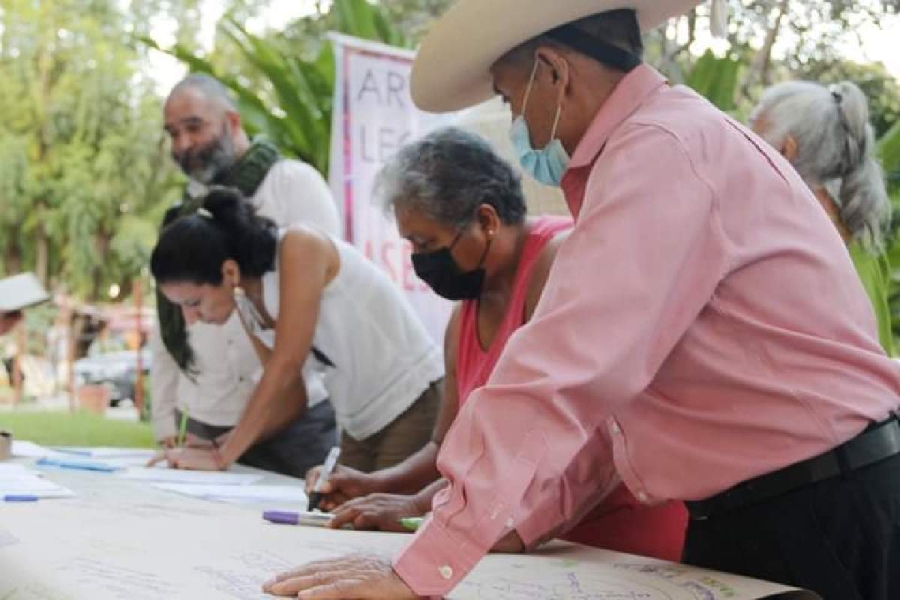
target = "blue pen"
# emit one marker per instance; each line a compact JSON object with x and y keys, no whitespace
{"x":74,"y":451}
{"x":81,"y":465}
{"x":19,"y":498}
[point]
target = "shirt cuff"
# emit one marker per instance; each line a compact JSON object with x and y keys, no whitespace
{"x":164,"y":427}
{"x":435,"y":561}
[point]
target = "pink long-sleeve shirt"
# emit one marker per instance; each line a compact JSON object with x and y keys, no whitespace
{"x":702,"y":325}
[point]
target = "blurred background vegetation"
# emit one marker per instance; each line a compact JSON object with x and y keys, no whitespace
{"x":85,"y":173}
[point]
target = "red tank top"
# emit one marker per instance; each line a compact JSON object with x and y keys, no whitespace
{"x":474,"y":363}
{"x":620,"y":522}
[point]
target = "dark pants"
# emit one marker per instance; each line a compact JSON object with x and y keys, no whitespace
{"x":839,"y":537}
{"x":293,"y":451}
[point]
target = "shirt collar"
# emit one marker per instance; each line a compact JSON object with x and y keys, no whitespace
{"x":626,"y":98}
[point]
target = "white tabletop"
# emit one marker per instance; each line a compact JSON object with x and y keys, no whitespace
{"x":123,"y":539}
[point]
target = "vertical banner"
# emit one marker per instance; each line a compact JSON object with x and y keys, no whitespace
{"x":373,"y":117}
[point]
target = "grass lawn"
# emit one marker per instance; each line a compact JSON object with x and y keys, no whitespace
{"x":75,"y":429}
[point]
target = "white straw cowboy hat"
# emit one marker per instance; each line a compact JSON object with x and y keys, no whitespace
{"x":451,"y":70}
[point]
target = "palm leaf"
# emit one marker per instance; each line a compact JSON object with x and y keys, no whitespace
{"x":716,"y":79}
{"x":889,"y":153}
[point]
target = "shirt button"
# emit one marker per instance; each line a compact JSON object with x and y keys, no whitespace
{"x":510,"y":523}
{"x":446,"y":572}
{"x":643,"y":497}
{"x":616,"y":429}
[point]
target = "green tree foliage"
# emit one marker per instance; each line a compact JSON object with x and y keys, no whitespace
{"x":881,"y":88}
{"x":716,"y":79}
{"x":83,"y":169}
{"x":889,"y":152}
{"x":775,"y":40}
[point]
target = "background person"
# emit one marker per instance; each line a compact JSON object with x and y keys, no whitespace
{"x":703,"y":334}
{"x":824,"y":132}
{"x":209,"y":371}
{"x":462,"y":209}
{"x":303,"y":293}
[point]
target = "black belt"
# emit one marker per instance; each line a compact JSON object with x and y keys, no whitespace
{"x":878,"y":442}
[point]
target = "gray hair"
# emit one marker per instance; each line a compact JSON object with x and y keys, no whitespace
{"x":447,"y":175}
{"x":835,"y":149}
{"x":209,"y":86}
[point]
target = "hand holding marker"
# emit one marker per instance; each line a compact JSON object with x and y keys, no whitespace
{"x":330,"y":464}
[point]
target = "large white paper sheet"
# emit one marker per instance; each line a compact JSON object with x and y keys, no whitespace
{"x":189,"y":477}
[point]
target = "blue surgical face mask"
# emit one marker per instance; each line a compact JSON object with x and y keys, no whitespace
{"x":548,"y":164}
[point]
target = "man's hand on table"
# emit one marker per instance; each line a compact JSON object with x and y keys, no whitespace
{"x":355,"y":576}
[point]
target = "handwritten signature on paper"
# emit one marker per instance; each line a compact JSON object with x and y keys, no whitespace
{"x":244,"y":581}
{"x":233,"y":584}
{"x":703,"y":588}
{"x":571,"y":589}
{"x":124,"y":583}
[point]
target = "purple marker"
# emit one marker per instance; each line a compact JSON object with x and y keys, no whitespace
{"x":310,"y":519}
{"x":19,"y":498}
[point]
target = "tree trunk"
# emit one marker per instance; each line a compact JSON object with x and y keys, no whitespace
{"x":42,"y":261}
{"x":17,"y":374}
{"x":12,"y":257}
{"x":102,"y":241}
{"x":760,"y":72}
{"x":671,"y":50}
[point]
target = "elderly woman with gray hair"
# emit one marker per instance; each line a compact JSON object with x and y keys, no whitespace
{"x":462,"y":208}
{"x":825,"y":134}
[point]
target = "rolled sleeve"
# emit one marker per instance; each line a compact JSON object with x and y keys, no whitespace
{"x":530,"y":450}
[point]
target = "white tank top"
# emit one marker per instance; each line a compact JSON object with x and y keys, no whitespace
{"x":383,"y":358}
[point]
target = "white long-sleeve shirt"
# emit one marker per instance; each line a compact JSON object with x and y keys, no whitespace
{"x":226,"y":365}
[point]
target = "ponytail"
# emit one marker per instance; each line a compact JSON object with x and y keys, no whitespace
{"x":862,"y":197}
{"x":836,"y":150}
{"x":192,"y":248}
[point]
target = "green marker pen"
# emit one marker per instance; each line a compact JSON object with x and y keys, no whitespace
{"x":182,"y":431}
{"x":412,"y":523}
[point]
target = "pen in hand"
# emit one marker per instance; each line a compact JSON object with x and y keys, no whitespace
{"x":327,"y":469}
{"x":182,"y":431}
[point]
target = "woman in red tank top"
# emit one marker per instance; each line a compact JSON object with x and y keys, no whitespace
{"x":462,"y":208}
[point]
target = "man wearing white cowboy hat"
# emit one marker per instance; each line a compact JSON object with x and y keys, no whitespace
{"x":702,"y":336}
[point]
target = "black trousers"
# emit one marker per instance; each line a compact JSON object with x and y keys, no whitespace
{"x":293,"y":451}
{"x":839,"y":538}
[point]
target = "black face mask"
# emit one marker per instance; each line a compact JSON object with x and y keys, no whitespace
{"x":440,"y":272}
